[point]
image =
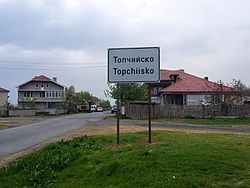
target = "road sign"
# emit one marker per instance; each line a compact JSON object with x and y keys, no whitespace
{"x":134,"y":65}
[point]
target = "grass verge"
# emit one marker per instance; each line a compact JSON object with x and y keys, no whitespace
{"x":174,"y":160}
{"x":3,"y":126}
{"x":233,"y":122}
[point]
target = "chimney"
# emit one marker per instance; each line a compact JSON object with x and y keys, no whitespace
{"x":54,"y":79}
{"x":174,"y":77}
{"x":206,"y":78}
{"x":182,"y":70}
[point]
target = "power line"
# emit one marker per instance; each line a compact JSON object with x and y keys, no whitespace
{"x":23,"y":65}
{"x":11,"y":62}
{"x":52,"y":68}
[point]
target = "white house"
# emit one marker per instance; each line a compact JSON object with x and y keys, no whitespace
{"x":3,"y":96}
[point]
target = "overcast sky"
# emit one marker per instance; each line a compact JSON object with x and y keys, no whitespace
{"x":68,"y":39}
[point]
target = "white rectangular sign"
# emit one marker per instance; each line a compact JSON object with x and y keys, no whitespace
{"x":134,"y":64}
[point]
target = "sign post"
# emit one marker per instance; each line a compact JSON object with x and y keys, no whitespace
{"x":149,"y":114}
{"x":118,"y":115}
{"x":132,"y":65}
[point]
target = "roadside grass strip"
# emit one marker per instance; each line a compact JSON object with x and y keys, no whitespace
{"x":3,"y":126}
{"x":232,"y":122}
{"x":174,"y":159}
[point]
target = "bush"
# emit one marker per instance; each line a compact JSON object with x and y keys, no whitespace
{"x":189,"y":117}
{"x":39,"y":169}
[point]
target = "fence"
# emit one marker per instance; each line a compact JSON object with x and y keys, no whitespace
{"x":138,"y":111}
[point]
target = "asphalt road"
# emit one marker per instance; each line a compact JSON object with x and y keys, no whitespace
{"x":23,"y":137}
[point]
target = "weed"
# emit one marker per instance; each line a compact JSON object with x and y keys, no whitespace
{"x":39,"y":169}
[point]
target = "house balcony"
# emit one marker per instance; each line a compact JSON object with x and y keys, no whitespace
{"x":39,"y":99}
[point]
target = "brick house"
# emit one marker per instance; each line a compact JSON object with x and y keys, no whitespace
{"x":181,"y":88}
{"x":40,"y":92}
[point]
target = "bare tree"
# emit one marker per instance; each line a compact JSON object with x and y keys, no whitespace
{"x":227,"y":95}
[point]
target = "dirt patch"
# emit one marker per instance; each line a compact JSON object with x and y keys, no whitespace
{"x":19,"y":121}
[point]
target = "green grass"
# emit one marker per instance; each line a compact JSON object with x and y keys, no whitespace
{"x":113,"y":116}
{"x":3,"y":126}
{"x":210,"y":121}
{"x":174,"y":160}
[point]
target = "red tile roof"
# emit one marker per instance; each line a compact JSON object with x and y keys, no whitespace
{"x":187,"y":83}
{"x":41,"y":78}
{"x":3,"y":90}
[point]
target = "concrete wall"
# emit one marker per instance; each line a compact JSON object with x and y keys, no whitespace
{"x":3,"y":98}
{"x":2,"y":110}
{"x":21,"y":112}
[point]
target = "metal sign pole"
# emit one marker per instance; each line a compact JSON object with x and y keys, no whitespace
{"x":124,"y":66}
{"x":118,"y":114}
{"x":149,"y":114}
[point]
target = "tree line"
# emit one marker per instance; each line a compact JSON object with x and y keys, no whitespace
{"x":74,"y":99}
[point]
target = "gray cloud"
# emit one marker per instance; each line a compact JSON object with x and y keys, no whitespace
{"x":207,"y":38}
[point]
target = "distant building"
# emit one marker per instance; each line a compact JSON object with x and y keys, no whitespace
{"x":96,"y":100}
{"x":40,"y":92}
{"x":3,"y":96}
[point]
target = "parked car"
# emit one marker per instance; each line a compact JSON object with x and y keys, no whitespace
{"x":114,"y":109}
{"x":99,"y":109}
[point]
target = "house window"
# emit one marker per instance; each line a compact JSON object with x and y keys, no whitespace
{"x":47,"y":85}
{"x":36,"y":85}
{"x":28,"y":94}
{"x":184,"y":99}
{"x":41,"y":85}
{"x":194,"y":99}
{"x":42,"y":94}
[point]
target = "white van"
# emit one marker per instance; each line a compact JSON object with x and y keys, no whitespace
{"x":93,"y":108}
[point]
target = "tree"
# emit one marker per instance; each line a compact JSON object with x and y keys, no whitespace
{"x":227,"y":95}
{"x":105,"y":104}
{"x":69,"y":102}
{"x":70,"y":92}
{"x":233,"y":93}
{"x":83,"y":98}
{"x":128,"y":92}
